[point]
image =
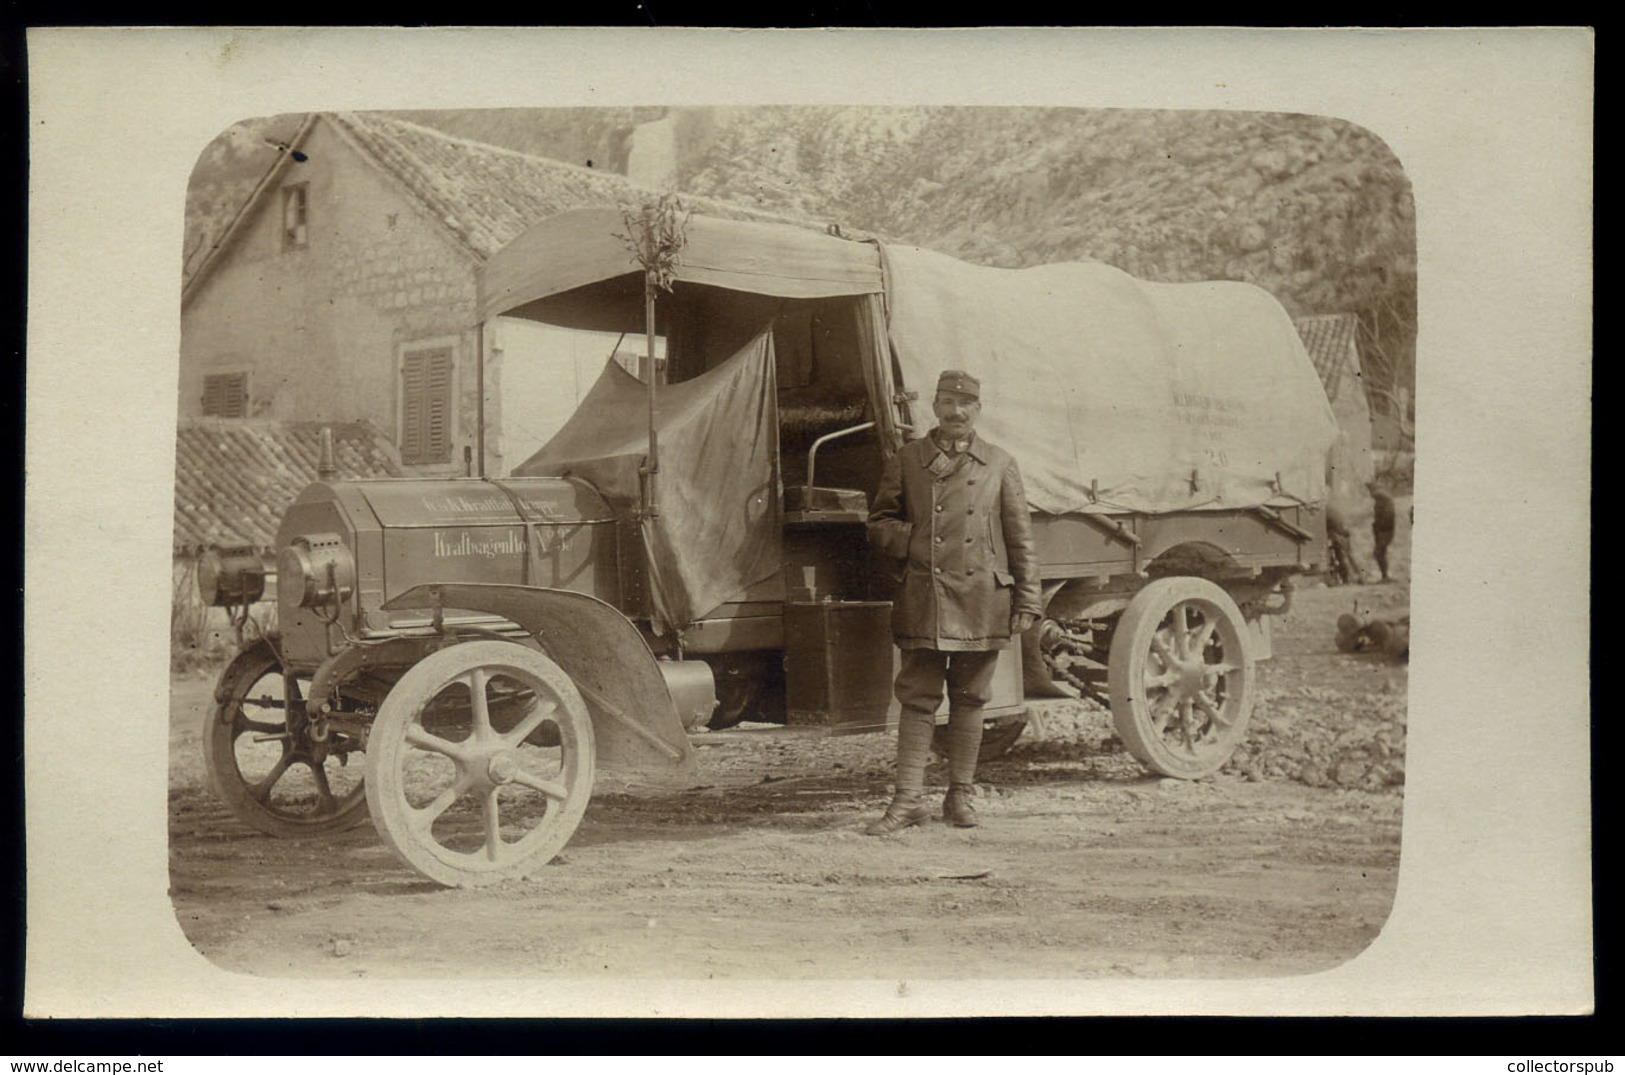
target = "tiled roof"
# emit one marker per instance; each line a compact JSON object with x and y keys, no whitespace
{"x":482,"y":194}
{"x":1330,"y":341}
{"x":235,"y":477}
{"x":487,"y":195}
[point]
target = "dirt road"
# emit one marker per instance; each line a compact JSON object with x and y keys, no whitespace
{"x":1084,"y":866}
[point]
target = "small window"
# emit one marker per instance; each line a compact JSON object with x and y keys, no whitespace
{"x":225,"y":395}
{"x":426,"y":405}
{"x":295,"y":216}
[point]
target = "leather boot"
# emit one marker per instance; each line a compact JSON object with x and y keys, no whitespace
{"x":913,"y":748}
{"x":956,"y":807}
{"x":905,"y":811}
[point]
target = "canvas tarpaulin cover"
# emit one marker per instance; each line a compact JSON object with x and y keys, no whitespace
{"x":717,"y":531}
{"x":540,"y":272}
{"x":1115,"y":394}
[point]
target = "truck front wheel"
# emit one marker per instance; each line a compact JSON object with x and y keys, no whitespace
{"x":1180,"y":677}
{"x":464,"y":789}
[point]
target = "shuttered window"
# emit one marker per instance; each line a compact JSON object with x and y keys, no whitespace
{"x":426,"y":406}
{"x":225,"y":395}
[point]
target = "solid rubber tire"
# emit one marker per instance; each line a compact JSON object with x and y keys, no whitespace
{"x":386,"y":793}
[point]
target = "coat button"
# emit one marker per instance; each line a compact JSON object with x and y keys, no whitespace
{"x":939,"y":507}
{"x":939,"y":541}
{"x":969,"y":540}
{"x":938,"y":570}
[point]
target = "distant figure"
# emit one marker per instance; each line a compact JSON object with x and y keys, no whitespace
{"x":1382,"y":526}
{"x":1339,"y":556}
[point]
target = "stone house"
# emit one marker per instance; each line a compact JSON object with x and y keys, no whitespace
{"x":343,"y":290}
{"x":341,"y":294}
{"x":1332,"y":343}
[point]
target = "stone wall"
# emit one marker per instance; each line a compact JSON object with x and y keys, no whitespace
{"x":320,"y":330}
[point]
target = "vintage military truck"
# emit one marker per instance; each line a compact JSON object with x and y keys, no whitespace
{"x":465,"y":659}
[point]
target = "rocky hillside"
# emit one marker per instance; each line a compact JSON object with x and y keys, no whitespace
{"x":1315,"y":210}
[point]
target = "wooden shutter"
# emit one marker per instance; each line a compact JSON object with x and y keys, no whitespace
{"x":225,"y":395}
{"x":426,"y":406}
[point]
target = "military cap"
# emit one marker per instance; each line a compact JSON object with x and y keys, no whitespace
{"x":961,"y":382}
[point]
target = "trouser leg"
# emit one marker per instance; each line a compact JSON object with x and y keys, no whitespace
{"x":970,"y":688}
{"x":919,"y":688}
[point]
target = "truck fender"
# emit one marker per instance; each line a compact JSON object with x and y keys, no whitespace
{"x":636,"y":728}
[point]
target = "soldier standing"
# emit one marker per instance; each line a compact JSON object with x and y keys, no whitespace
{"x":951,"y":508}
{"x":1382,"y":526}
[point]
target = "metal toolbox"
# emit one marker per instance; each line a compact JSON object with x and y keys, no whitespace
{"x":838,"y":664}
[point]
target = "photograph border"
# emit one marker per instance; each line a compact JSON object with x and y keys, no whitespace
{"x":1494,"y":128}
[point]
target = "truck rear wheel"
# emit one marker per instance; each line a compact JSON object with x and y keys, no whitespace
{"x":998,"y":736}
{"x":273,"y":769}
{"x":1180,"y":677}
{"x":749,"y":686}
{"x":463,"y":789}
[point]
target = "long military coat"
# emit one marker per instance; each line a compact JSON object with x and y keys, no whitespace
{"x":964,"y":542}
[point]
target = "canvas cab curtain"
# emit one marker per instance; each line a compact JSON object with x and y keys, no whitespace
{"x":717,"y":531}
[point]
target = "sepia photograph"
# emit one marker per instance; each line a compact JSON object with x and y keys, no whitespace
{"x":429,"y":492}
{"x":655,"y":547}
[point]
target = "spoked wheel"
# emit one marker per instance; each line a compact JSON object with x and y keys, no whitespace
{"x":1180,"y":677}
{"x":273,"y":768}
{"x":468,"y":787}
